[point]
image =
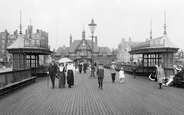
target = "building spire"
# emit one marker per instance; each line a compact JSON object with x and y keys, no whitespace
{"x":83,"y":28}
{"x":70,"y":39}
{"x":151,"y":29}
{"x":31,"y":30}
{"x":83,"y":33}
{"x":20,"y":24}
{"x":165,"y":23}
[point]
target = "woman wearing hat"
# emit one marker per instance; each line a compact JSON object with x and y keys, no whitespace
{"x":70,"y":74}
{"x":61,"y":75}
{"x":113,"y":71}
{"x":121,"y":75}
{"x":160,"y":75}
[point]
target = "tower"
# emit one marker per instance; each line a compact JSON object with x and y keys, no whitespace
{"x":20,"y":24}
{"x":151,"y":29}
{"x":30,"y":28}
{"x":83,"y":33}
{"x":96,"y":40}
{"x":70,"y":39}
{"x":165,"y":23}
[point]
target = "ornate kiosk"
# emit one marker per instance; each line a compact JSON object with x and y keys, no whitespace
{"x":27,"y":54}
{"x":154,"y":52}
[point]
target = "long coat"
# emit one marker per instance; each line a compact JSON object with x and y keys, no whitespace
{"x":160,"y":74}
{"x":100,"y":74}
{"x":52,"y":72}
{"x":53,"y":69}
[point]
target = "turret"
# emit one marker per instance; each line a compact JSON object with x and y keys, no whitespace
{"x":70,"y":39}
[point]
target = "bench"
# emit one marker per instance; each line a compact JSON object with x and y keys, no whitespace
{"x":181,"y":83}
{"x":10,"y":81}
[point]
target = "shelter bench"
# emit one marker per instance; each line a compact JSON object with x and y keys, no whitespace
{"x":10,"y":81}
{"x":181,"y":82}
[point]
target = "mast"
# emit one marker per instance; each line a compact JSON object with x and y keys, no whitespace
{"x":165,"y":23}
{"x":151,"y":29}
{"x":20,"y":24}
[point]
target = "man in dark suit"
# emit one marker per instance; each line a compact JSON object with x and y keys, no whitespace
{"x":53,"y":72}
{"x":85,"y":67}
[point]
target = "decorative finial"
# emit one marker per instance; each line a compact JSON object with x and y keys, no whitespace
{"x":165,"y":23}
{"x":20,"y":24}
{"x":151,"y":29}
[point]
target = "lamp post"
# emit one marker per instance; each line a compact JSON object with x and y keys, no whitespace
{"x":92,"y":27}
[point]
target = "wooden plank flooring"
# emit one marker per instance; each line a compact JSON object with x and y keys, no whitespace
{"x":138,"y":96}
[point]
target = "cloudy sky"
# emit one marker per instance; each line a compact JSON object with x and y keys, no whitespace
{"x":115,"y":19}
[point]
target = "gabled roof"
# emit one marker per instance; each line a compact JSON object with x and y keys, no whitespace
{"x":105,"y":49}
{"x":62,"y":50}
{"x":162,"y":42}
{"x":95,"y":47}
{"x":76,"y":43}
{"x":26,"y":46}
{"x":19,"y":43}
{"x":167,"y":42}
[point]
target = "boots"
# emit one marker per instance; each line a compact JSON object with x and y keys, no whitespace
{"x":100,"y":85}
{"x":160,"y":85}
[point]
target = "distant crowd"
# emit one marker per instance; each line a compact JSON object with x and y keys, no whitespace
{"x":66,"y":73}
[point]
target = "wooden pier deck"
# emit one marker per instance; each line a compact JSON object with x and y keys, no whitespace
{"x":138,"y":96}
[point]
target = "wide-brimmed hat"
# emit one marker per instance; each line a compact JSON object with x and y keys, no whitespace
{"x":113,"y":62}
{"x":122,"y":68}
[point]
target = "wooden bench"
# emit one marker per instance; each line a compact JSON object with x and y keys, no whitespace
{"x":10,"y":81}
{"x":181,"y":83}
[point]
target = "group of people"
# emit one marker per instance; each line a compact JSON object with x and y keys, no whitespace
{"x":82,"y":66}
{"x":159,"y":75}
{"x":64,"y":72}
{"x":100,"y":74}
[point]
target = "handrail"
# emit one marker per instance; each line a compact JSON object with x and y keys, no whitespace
{"x":14,"y":76}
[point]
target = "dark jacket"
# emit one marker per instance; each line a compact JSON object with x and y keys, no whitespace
{"x":100,"y":73}
{"x":53,"y":69}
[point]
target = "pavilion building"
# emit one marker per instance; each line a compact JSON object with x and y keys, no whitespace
{"x":157,"y":51}
{"x":81,"y":50}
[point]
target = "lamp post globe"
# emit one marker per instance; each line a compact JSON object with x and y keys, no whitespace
{"x":92,"y":27}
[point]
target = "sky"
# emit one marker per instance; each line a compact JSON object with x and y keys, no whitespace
{"x":115,"y":19}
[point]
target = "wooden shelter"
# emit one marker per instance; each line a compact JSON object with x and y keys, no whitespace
{"x":26,"y":53}
{"x":154,"y":52}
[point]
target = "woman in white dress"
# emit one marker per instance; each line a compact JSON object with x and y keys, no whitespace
{"x":70,"y":74}
{"x":121,"y":75}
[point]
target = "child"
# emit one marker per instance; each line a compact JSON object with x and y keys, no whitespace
{"x":121,"y":75}
{"x":100,"y":74}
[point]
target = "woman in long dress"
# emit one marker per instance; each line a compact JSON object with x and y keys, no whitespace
{"x":70,"y":74}
{"x":61,"y":75}
{"x":113,"y":71}
{"x":160,"y":75}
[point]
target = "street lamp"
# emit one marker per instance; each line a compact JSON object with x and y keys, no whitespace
{"x":92,"y":27}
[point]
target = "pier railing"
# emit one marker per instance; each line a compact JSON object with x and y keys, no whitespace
{"x":14,"y":76}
